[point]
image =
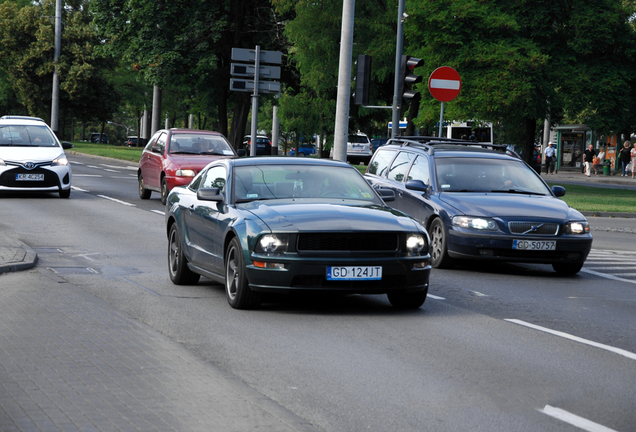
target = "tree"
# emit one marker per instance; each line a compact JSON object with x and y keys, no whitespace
{"x":27,"y":45}
{"x":520,"y":60}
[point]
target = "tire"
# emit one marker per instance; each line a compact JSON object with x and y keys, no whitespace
{"x":567,"y":269}
{"x":239,"y":294}
{"x":439,"y":249}
{"x":180,"y":273}
{"x":65,"y":193}
{"x":144,"y":193}
{"x":412,"y":300}
{"x":301,"y":154}
{"x":164,"y":191}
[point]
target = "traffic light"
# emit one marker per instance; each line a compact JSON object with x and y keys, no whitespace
{"x":407,"y":65}
{"x":362,"y":80}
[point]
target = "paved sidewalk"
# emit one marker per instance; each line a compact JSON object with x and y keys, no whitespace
{"x":70,"y":361}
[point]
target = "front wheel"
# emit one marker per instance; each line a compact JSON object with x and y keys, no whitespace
{"x":239,"y":294}
{"x":439,"y":249}
{"x":567,"y":269}
{"x":180,"y":273}
{"x":411,"y":300}
{"x":164,"y":191}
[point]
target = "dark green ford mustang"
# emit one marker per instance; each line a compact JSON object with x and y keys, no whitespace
{"x":260,"y":225}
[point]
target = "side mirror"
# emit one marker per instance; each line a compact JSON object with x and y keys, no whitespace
{"x":558,"y":191}
{"x":67,"y":145}
{"x":241,"y":152}
{"x":417,"y":185}
{"x":210,"y":194}
{"x":386,"y":194}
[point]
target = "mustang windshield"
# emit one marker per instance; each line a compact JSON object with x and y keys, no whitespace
{"x":26,"y":136}
{"x":262,"y":182}
{"x":487,"y":175}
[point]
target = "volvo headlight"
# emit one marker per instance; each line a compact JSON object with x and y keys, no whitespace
{"x":60,"y":161}
{"x":415,"y":243}
{"x":477,"y":223}
{"x":577,"y":227}
{"x":272,"y":244}
{"x":185,"y":173}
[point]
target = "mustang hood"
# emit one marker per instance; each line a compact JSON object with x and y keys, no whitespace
{"x":29,"y":154}
{"x":330,"y":217}
{"x":506,"y":205}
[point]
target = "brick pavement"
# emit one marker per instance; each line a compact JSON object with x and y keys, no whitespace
{"x":70,"y":361}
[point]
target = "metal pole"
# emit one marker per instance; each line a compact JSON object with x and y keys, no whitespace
{"x":254,"y":128}
{"x":395,"y":127}
{"x":275,"y":131}
{"x":156,"y":110}
{"x":441,"y":120}
{"x":344,"y":82}
{"x":55,"y":97}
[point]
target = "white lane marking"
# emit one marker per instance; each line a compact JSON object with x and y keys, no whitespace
{"x":92,"y":166}
{"x":435,"y":297}
{"x":605,"y":267}
{"x":158,"y":212}
{"x":116,"y":200}
{"x":574,"y":420}
{"x":77,"y":163}
{"x":120,"y":167}
{"x":607,"y":276}
{"x":110,"y":170}
{"x":75,"y":188}
{"x":619,"y":351}
{"x":87,"y":175}
{"x":478,"y":294}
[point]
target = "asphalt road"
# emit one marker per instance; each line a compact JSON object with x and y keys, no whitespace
{"x":494,"y":348}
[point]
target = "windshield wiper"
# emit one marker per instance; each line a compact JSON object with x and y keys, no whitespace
{"x":517,"y":191}
{"x":244,"y":200}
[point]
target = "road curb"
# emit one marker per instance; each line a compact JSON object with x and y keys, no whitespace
{"x":15,"y":255}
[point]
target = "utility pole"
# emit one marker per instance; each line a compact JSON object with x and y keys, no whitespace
{"x":55,"y":97}
{"x":397,"y":97}
{"x":344,"y":82}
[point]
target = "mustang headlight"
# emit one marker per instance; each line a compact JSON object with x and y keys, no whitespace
{"x":60,"y":161}
{"x":415,"y":243}
{"x":272,"y":244}
{"x":578,"y":227}
{"x":477,"y":223}
{"x":185,"y":173}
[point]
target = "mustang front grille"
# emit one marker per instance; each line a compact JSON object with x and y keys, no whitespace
{"x":344,"y":242}
{"x":533,"y":228}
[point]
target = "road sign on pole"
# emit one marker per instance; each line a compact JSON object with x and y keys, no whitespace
{"x":249,"y":56}
{"x":444,"y":84}
{"x":247,"y":85}
{"x":247,"y":70}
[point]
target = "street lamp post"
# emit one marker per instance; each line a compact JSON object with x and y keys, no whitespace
{"x":124,"y":126}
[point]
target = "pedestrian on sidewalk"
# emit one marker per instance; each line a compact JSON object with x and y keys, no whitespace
{"x":633,"y":161}
{"x":550,"y":156}
{"x":625,"y":156}
{"x":588,"y":160}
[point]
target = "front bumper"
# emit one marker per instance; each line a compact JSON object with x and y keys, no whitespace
{"x":399,"y":274}
{"x":56,"y":178}
{"x":569,"y":248}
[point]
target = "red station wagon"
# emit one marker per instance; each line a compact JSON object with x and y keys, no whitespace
{"x":174,"y":156}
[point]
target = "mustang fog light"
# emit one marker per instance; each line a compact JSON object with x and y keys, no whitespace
{"x":420,"y":265}
{"x":577,"y":228}
{"x":415,"y":243}
{"x":185,"y":173}
{"x":482,"y":224}
{"x":272,"y":244}
{"x":262,"y":264}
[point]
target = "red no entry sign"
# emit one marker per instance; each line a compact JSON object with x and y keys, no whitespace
{"x":444,"y":84}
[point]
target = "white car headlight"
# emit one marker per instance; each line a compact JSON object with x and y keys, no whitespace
{"x":415,"y":243}
{"x":272,"y":244}
{"x":477,"y":223}
{"x":578,"y":227}
{"x":2,"y":163}
{"x":60,"y":161}
{"x":185,"y":173}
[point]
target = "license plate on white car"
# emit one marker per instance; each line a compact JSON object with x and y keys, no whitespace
{"x":29,"y":177}
{"x":533,"y":245}
{"x":354,"y":273}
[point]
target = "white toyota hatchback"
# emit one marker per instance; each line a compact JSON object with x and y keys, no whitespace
{"x":32,"y":158}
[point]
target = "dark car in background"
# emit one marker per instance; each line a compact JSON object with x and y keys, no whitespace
{"x":99,"y":138}
{"x":286,"y":225}
{"x":481,"y":202}
{"x":263,"y":145}
{"x":174,"y":156}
